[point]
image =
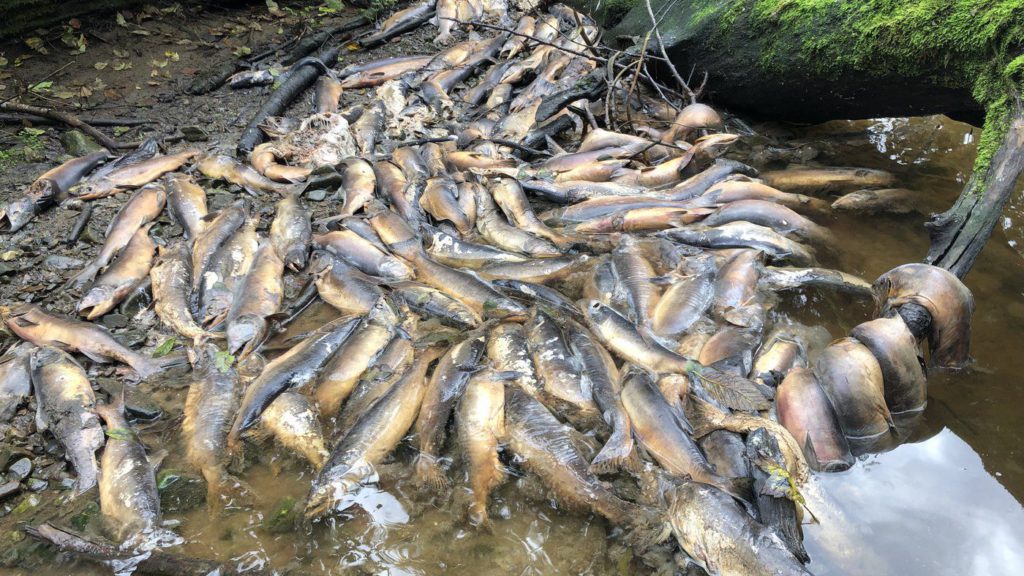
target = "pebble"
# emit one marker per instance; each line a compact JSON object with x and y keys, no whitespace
{"x":36,"y":485}
{"x":115,"y":320}
{"x":12,"y":487}
{"x":317,"y":195}
{"x":63,"y":262}
{"x":20,"y":469}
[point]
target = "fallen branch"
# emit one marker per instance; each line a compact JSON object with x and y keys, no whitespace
{"x":661,"y":46}
{"x":73,"y":121}
{"x":19,"y":118}
{"x":313,"y":42}
{"x":299,"y":78}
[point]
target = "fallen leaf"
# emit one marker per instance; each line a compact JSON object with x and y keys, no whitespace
{"x":123,"y":66}
{"x":64,"y":94}
{"x":36,"y":43}
{"x":172,"y":55}
{"x":42,"y":86}
{"x":121,"y":21}
{"x":99,"y":65}
{"x":158,"y":63}
{"x":141,"y":32}
{"x":99,"y":84}
{"x":242,"y":51}
{"x":120,"y":53}
{"x":85,"y":92}
{"x":165,"y":348}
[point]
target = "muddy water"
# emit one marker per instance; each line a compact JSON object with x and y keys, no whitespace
{"x":945,"y":502}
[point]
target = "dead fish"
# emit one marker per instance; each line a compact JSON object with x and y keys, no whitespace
{"x":216,"y":233}
{"x":447,"y":16}
{"x":227,"y":269}
{"x":637,"y":275}
{"x":358,"y":183}
{"x":827,"y":180}
{"x":250,"y":79}
{"x":483,"y":90}
{"x":540,"y":295}
{"x":451,"y":250}
{"x":547,"y":28}
{"x":146,"y":150}
{"x":789,"y":278}
{"x":342,"y":285}
{"x":517,"y":42}
{"x":775,"y":506}
{"x":171,"y":278}
{"x":65,"y":403}
{"x":896,"y":351}
{"x":294,"y":369}
{"x":558,"y":372}
{"x":737,"y":280}
{"x":746,"y":189}
{"x":599,"y":138}
{"x":480,"y":425}
{"x":440,"y":199}
{"x":327,"y":95}
{"x":691,"y":119}
{"x":664,"y":174}
{"x":727,"y":453}
{"x":368,"y":128}
{"x":745,"y":235}
{"x":687,"y":299}
{"x":32,"y":323}
{"x":15,"y":379}
{"x":722,"y":538}
{"x":143,"y":207}
{"x":430,"y":302}
{"x":886,"y":200}
{"x":132,"y":176}
{"x":264,"y":158}
{"x":48,"y":189}
{"x":258,"y":296}
{"x":353,"y":460}
{"x":509,"y":196}
{"x":602,"y":377}
{"x":603,"y":285}
{"x":483,"y":299}
{"x":508,"y":352}
{"x":772,"y":215}
{"x":291,"y":231}
{"x":606,"y":206}
{"x":363,"y":255}
{"x":622,"y":337}
{"x":357,"y":355}
{"x":221,"y":167}
{"x":186,"y":202}
{"x":391,"y":183}
{"x":663,"y":434}
{"x":948,"y":301}
{"x":294,"y":422}
{"x":493,"y":226}
{"x":391,"y":365}
{"x":380,"y":71}
{"x":651,"y":219}
{"x":210,"y":407}
{"x":805,"y":410}
{"x":732,"y":349}
{"x":445,"y":388}
{"x":852,"y":379}
{"x":124,"y":275}
{"x":779,"y":354}
{"x":128,"y":496}
{"x":545,"y":448}
{"x":538,"y":271}
{"x":574,"y":191}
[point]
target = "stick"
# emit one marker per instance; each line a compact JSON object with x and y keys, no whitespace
{"x":80,"y":224}
{"x":19,"y":118}
{"x":664,"y":54}
{"x":73,"y":121}
{"x":307,"y":45}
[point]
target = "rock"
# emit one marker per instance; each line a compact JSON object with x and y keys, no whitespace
{"x":317,"y":195}
{"x":194,"y":134}
{"x":63,"y":262}
{"x":78,"y":144}
{"x":9,"y":489}
{"x":31,"y":501}
{"x":114,"y":320}
{"x":36,"y":485}
{"x":20,"y":469}
{"x":180,"y":491}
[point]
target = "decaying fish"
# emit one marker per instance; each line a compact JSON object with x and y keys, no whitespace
{"x":65,"y":406}
{"x":832,"y":179}
{"x":687,"y":299}
{"x":213,"y":397}
{"x":48,"y":189}
{"x":32,"y":323}
{"x":295,"y":423}
{"x":290,"y":232}
{"x":220,"y":167}
{"x":259,"y":296}
{"x":15,"y":379}
{"x":171,"y":278}
{"x":128,"y":496}
{"x":122,"y":277}
{"x":805,"y":410}
{"x":353,"y":359}
{"x":852,"y":379}
{"x":342,"y":285}
{"x":132,"y":176}
{"x":886,"y":200}
{"x":896,"y":351}
{"x":186,"y":202}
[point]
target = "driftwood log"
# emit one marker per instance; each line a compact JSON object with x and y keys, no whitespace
{"x":810,"y":61}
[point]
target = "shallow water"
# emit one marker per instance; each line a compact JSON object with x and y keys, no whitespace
{"x":947,"y":502}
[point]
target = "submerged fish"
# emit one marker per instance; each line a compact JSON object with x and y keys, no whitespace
{"x":128,"y":496}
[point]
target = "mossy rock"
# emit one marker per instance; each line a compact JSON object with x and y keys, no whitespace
{"x":180,"y":491}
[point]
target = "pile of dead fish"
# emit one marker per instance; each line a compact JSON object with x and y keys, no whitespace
{"x":488,"y":307}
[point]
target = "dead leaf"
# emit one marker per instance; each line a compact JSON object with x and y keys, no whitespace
{"x":36,"y":43}
{"x":99,"y":65}
{"x":141,"y":32}
{"x":121,"y":21}
{"x":120,"y":53}
{"x":242,"y":51}
{"x":64,"y":94}
{"x":158,"y":63}
{"x":123,"y":66}
{"x":172,"y":55}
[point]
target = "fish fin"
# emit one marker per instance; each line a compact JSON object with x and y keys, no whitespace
{"x":83,"y":277}
{"x":810,"y":453}
{"x":430,"y":474}
{"x":618,"y":453}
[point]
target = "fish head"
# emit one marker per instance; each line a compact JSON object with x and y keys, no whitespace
{"x":245,"y":331}
{"x":338,"y":493}
{"x":16,"y":214}
{"x":96,"y":301}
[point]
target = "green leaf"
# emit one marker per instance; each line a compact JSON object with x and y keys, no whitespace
{"x":223,"y":361}
{"x":42,"y":86}
{"x":120,"y":53}
{"x":166,"y":346}
{"x":36,"y":43}
{"x":123,"y":66}
{"x":242,"y":51}
{"x":119,"y":433}
{"x":99,"y":65}
{"x":121,"y":21}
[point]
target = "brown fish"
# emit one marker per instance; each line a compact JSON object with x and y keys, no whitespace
{"x":358,"y":183}
{"x":258,"y":296}
{"x":896,"y":350}
{"x":827,"y":180}
{"x":380,"y":71}
{"x":133,"y":175}
{"x":171,"y":278}
{"x":221,"y":167}
{"x":805,"y":410}
{"x":186,"y":202}
{"x":852,"y":379}
{"x":48,"y":189}
{"x":291,"y":231}
{"x":129,"y":270}
{"x":480,"y":424}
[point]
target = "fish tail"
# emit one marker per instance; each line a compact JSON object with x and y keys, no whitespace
{"x":110,"y":411}
{"x":704,"y":419}
{"x":84,"y":276}
{"x":618,"y":453}
{"x":429,"y":472}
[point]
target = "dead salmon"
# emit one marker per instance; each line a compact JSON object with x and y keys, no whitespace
{"x":186,"y":202}
{"x":327,"y":95}
{"x":171,"y":277}
{"x":216,"y":233}
{"x":264,"y":158}
{"x":294,"y":422}
{"x":342,"y":285}
{"x":376,"y":433}
{"x":558,"y":370}
{"x":210,"y":407}
{"x":637,"y":275}
{"x":32,"y":323}
{"x":746,"y":189}
{"x":545,"y":448}
{"x":779,"y":354}
{"x":776,"y":508}
{"x":368,"y":129}
{"x":745,"y":235}
{"x":291,"y":231}
{"x":221,"y":167}
{"x":128,"y":496}
{"x":539,"y":271}
{"x":827,"y":180}
{"x":431,"y":302}
{"x":778,"y":278}
{"x":48,"y":189}
{"x":446,"y":386}
{"x":129,"y":270}
{"x":772,"y":215}
{"x":509,"y":196}
{"x":687,"y":299}
{"x":64,"y":406}
{"x":805,"y":410}
{"x":492,"y":225}
{"x":897,"y":353}
{"x":379,"y":72}
{"x":450,"y":250}
{"x":480,"y":425}
{"x":885,"y":201}
{"x":15,"y":379}
{"x":294,"y":369}
{"x":440,"y":199}
{"x":143,"y":207}
{"x":689,"y":120}
{"x":357,"y":355}
{"x":852,"y":379}
{"x":258,"y":296}
{"x":662,"y":432}
{"x":133,"y":175}
{"x":737,"y":280}
{"x":391,"y":365}
{"x":363,"y":254}
{"x":228,"y":267}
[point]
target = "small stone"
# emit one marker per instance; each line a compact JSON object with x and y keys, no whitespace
{"x":115,"y":320}
{"x":194,"y":134}
{"x":10,"y":488}
{"x":30,"y":502}
{"x":36,"y":485}
{"x":20,"y":469}
{"x":62,"y":262}
{"x":78,"y":144}
{"x":317,"y":195}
